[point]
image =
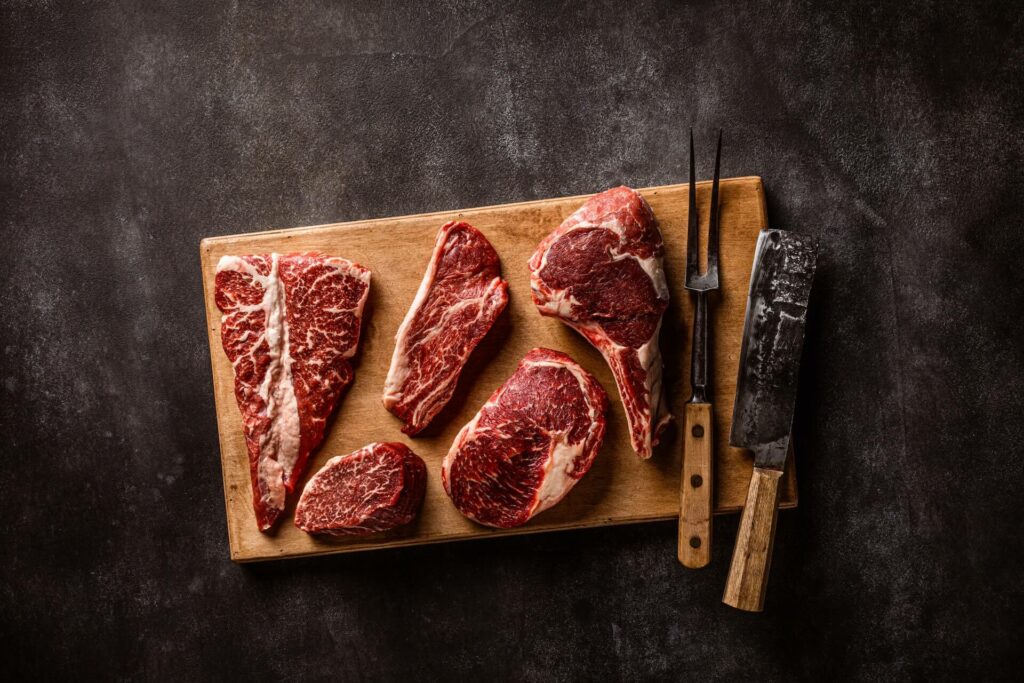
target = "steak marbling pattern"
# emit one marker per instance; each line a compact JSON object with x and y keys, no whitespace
{"x":460,"y":297}
{"x":529,"y":444}
{"x":290,"y":324}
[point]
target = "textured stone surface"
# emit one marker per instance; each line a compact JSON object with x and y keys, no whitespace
{"x":893,"y":131}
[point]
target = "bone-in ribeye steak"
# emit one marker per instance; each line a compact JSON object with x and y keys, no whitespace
{"x":290,"y":325}
{"x":530,"y":443}
{"x":376,"y":488}
{"x":460,"y":297}
{"x":601,"y":273}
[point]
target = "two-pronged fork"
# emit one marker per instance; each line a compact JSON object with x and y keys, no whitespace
{"x":696,"y":494}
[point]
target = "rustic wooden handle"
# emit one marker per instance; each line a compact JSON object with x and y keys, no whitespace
{"x":752,"y":556}
{"x":695,"y":491}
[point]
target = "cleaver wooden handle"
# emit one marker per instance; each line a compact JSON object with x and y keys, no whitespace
{"x":752,"y":556}
{"x":695,"y":491}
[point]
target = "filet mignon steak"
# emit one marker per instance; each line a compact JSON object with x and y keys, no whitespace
{"x":377,"y":488}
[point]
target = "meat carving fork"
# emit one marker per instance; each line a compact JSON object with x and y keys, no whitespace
{"x":696,"y":494}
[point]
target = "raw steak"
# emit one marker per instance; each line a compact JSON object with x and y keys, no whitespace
{"x":290,"y":325}
{"x":601,"y":273}
{"x":376,"y":488}
{"x":460,"y":297}
{"x":530,"y":443}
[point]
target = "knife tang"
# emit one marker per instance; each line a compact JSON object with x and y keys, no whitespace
{"x":699,"y":354}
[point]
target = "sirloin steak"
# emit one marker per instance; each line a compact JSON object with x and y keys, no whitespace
{"x":290,"y":325}
{"x":378,"y":487}
{"x":536,"y":436}
{"x":601,"y":273}
{"x":460,"y":297}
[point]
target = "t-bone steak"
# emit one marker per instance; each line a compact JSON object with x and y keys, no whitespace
{"x":530,"y":443}
{"x":290,"y":325}
{"x":460,"y":297}
{"x":376,"y":488}
{"x":601,"y":273}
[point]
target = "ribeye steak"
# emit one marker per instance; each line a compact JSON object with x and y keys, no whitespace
{"x":376,"y":488}
{"x":290,"y":325}
{"x":601,"y":273}
{"x":530,"y":443}
{"x":460,"y":297}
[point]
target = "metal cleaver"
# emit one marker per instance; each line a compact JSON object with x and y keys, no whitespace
{"x":773,"y":338}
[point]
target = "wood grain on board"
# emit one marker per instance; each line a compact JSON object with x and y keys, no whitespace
{"x":619,"y":488}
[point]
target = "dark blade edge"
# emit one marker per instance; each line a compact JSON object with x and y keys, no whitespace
{"x":773,"y":332}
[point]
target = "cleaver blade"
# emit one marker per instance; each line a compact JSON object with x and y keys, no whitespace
{"x":773,"y":339}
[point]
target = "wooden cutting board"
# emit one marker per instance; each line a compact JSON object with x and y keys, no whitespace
{"x":619,"y":488}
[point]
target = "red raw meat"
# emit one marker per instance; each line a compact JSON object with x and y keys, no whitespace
{"x":530,"y":443}
{"x":378,"y":487}
{"x":601,"y":273}
{"x":290,"y":325}
{"x":460,"y":297}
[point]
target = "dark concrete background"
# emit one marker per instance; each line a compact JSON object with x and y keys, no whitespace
{"x":893,"y":131}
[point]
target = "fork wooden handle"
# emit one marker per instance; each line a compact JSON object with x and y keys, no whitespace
{"x":695,"y":490}
{"x":752,"y":557}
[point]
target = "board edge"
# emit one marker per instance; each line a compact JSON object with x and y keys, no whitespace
{"x":235,"y":550}
{"x":208,"y":242}
{"x":243,"y":557}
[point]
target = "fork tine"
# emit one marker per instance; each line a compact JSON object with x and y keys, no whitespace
{"x":692,"y":265}
{"x":713,"y":219}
